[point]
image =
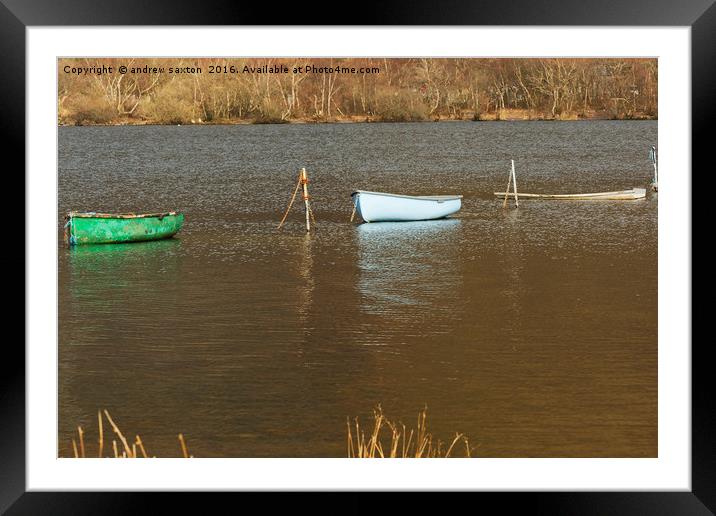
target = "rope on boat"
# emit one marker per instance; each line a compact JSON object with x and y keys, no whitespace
{"x":355,"y":205}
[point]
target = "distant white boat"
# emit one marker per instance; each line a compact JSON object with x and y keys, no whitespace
{"x":387,"y":207}
{"x":622,"y":195}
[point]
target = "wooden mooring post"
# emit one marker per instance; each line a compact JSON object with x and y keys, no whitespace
{"x":512,"y":179}
{"x":303,"y":179}
{"x":301,"y":184}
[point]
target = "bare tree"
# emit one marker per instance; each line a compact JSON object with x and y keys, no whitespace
{"x":125,"y":90}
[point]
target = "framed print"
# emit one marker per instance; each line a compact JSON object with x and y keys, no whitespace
{"x":256,"y":254}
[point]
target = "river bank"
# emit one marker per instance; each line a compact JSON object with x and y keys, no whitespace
{"x":507,"y":115}
{"x":116,"y":91}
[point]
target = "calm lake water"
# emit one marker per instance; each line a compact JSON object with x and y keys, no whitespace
{"x":533,"y":330}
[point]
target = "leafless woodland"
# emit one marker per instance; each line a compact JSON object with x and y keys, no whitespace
{"x":378,"y":89}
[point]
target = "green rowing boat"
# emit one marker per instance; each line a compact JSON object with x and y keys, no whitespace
{"x":110,"y":228}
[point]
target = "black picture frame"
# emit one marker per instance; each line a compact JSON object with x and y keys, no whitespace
{"x":17,"y":15}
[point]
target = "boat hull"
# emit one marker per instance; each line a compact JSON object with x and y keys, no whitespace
{"x":385,"y":207}
{"x":623,"y":195}
{"x":85,"y":228}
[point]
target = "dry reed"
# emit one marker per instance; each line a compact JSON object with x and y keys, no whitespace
{"x":386,"y":439}
{"x":136,"y":450}
{"x":393,"y":440}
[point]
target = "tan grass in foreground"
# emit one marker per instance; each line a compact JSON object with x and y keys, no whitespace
{"x":390,"y":440}
{"x":136,"y":450}
{"x":386,"y":439}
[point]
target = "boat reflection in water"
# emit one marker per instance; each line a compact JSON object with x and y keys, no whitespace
{"x":99,"y":266}
{"x":409,"y":272}
{"x":109,"y":284}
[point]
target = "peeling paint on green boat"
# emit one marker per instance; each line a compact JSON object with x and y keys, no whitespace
{"x":109,"y":230}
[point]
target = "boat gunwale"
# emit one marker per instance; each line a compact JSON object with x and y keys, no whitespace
{"x":413,"y":197}
{"x":93,"y":215}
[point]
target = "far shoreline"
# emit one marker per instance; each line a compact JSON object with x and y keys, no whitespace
{"x":362,"y":120}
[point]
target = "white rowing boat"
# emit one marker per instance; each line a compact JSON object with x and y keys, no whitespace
{"x":387,"y":207}
{"x":622,"y":195}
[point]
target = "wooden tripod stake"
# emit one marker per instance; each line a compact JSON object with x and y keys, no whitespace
{"x":303,"y":178}
{"x":301,"y":184}
{"x":512,"y":179}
